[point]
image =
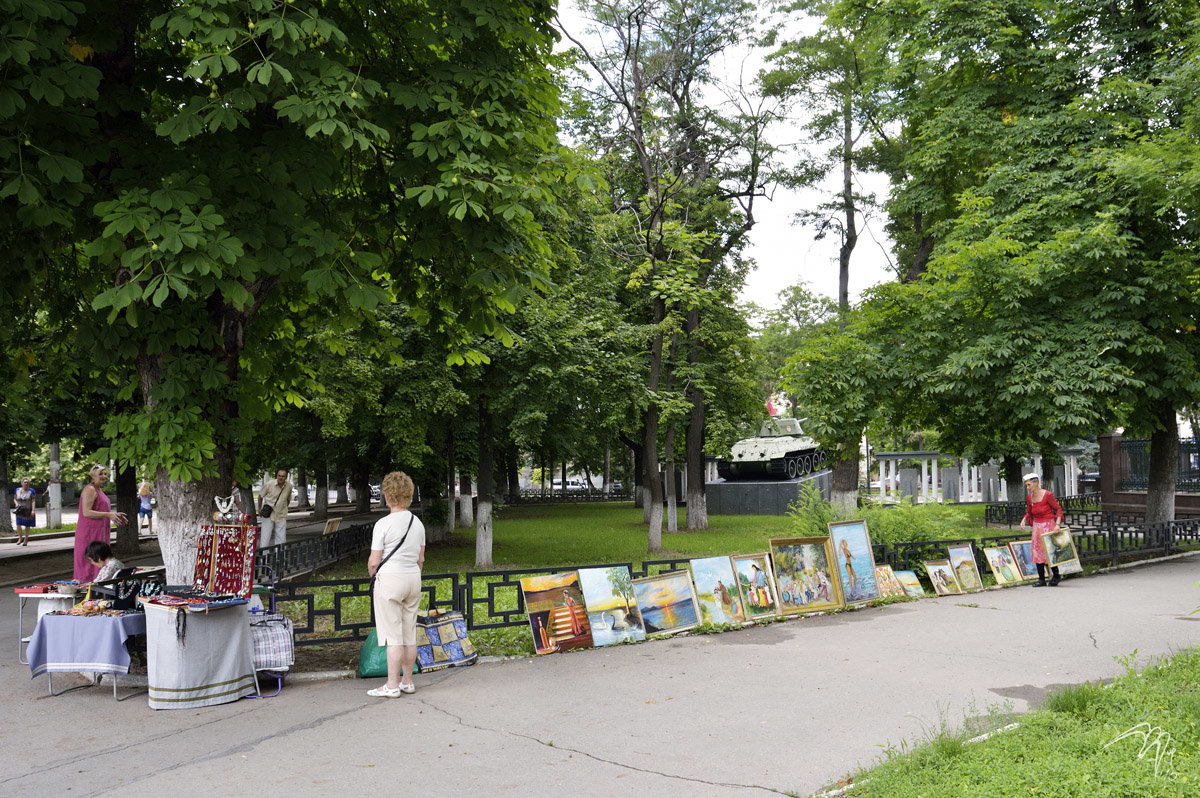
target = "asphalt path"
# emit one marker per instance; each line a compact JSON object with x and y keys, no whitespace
{"x":787,"y":708}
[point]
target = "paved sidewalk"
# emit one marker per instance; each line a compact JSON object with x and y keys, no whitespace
{"x":786,"y":708}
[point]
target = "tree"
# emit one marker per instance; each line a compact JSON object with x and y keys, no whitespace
{"x":246,"y":162}
{"x":681,"y":176}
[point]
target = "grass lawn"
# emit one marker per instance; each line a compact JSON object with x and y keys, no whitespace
{"x":1135,"y":737}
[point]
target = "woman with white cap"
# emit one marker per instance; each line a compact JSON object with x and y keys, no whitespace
{"x":1043,"y":512}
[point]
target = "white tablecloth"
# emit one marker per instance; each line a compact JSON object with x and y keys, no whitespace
{"x":206,"y":659}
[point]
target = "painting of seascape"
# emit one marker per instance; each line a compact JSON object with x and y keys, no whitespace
{"x":611,"y":605}
{"x":716,"y":591}
{"x":667,"y":602}
{"x":855,"y":561}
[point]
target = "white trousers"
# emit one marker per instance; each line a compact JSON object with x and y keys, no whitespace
{"x":272,"y":532}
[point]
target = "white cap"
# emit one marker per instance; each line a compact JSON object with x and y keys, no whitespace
{"x":1030,"y":476}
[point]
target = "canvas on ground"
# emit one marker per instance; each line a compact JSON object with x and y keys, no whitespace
{"x":557,"y":615}
{"x":804,"y":575}
{"x":756,"y":584}
{"x":716,"y":591}
{"x":962,"y":560}
{"x":855,"y":561}
{"x":941,"y":574}
{"x":667,"y":602}
{"x":611,"y":605}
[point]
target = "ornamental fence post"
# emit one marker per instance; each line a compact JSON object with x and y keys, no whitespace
{"x":1113,"y":543}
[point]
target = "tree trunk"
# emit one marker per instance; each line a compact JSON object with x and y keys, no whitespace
{"x":54,"y":496}
{"x":1164,"y":466}
{"x":466,"y":512}
{"x":671,"y":497}
{"x":844,"y":488}
{"x":697,"y":498}
{"x":562,"y":487}
{"x":126,"y":543}
{"x":183,"y":508}
{"x":450,"y":487}
{"x":513,"y":469}
{"x":6,"y":498}
{"x":1012,"y":477}
{"x":850,"y":212}
{"x":302,"y":488}
{"x":607,"y":482}
{"x":321,"y":504}
{"x":483,"y":521}
{"x":362,"y":489}
{"x":339,"y":478}
{"x":651,"y":475}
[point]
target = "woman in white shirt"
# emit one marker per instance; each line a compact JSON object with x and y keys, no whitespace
{"x":397,"y":555}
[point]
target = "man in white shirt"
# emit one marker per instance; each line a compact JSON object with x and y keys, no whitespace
{"x":276,"y":495}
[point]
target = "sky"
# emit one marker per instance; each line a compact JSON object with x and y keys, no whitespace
{"x":786,"y":253}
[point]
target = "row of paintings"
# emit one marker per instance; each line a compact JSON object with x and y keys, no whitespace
{"x":605,"y":605}
{"x":1010,"y":564}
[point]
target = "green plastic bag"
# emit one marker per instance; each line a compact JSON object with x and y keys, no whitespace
{"x":372,"y":660}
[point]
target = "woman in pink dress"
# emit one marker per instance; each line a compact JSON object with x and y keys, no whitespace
{"x":1042,"y":510}
{"x":95,"y":519}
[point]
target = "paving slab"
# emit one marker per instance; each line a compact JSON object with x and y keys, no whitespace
{"x":787,"y":708}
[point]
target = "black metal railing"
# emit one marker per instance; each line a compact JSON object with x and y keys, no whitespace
{"x":305,"y":555}
{"x":537,"y":496}
{"x":1133,"y":465}
{"x":1010,"y":513}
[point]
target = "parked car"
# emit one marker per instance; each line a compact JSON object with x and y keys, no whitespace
{"x":573,"y":484}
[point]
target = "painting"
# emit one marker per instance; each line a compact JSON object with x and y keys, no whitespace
{"x":1070,"y":567}
{"x":912,"y":585}
{"x":332,"y":525}
{"x":804,"y":575}
{"x":962,"y":560}
{"x":1022,"y":552}
{"x":557,"y":615}
{"x":611,"y":605}
{"x":716,"y":591}
{"x":856,"y":563}
{"x":667,"y":602}
{"x":941,"y":574}
{"x":889,"y":585}
{"x":756,"y":585}
{"x":1003,"y":566}
{"x":1060,"y":549}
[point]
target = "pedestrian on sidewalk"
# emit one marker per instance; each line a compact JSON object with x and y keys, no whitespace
{"x":25,"y":502}
{"x":1043,"y":512}
{"x":95,"y":522}
{"x":397,"y":593}
{"x":273,"y":510}
{"x":146,"y":508}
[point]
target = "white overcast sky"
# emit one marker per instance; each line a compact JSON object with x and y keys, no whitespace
{"x":787,"y":253}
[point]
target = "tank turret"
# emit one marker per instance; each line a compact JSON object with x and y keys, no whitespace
{"x":781,"y":450}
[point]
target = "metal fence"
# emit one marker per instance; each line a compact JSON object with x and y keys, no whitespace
{"x":537,"y":496}
{"x":1133,"y":465}
{"x":305,"y":555}
{"x":1010,"y":513}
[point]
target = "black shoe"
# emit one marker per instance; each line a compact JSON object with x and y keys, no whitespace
{"x":1040,"y":583}
{"x":1054,"y":580}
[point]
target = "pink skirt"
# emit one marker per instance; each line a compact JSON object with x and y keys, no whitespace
{"x":1039,"y":548}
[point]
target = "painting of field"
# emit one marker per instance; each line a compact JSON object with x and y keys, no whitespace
{"x":716,"y":591}
{"x":611,"y":605}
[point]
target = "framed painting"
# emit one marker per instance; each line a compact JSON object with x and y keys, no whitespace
{"x":912,"y":585}
{"x":1060,"y":549}
{"x":667,"y":602}
{"x":804,"y":575}
{"x":1022,"y":552}
{"x":856,"y":564}
{"x":611,"y":605}
{"x":558,"y":616}
{"x":941,"y":574}
{"x":756,"y":584}
{"x":716,"y":591}
{"x":889,"y":585}
{"x":1003,"y":566}
{"x":962,"y":560}
{"x":1071,"y":567}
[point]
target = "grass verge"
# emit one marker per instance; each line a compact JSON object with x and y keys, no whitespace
{"x":1136,"y":737}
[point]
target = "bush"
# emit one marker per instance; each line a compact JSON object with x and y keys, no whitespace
{"x":810,"y":516}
